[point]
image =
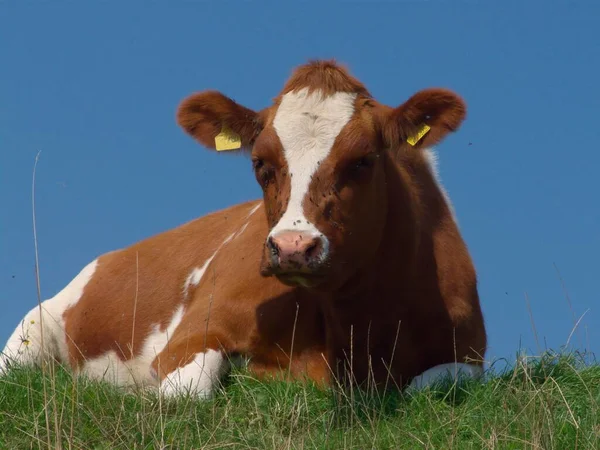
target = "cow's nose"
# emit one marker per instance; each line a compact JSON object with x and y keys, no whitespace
{"x":296,"y":251}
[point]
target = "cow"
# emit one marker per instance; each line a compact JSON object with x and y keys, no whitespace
{"x":351,"y":269}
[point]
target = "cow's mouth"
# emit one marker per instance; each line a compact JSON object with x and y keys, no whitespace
{"x":302,"y":279}
{"x":293,"y":277}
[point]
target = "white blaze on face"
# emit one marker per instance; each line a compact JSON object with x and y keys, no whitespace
{"x":307,"y":126}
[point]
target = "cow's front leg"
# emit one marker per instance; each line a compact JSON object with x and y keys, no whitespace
{"x":441,"y":372}
{"x":192,"y":364}
{"x":198,"y":378}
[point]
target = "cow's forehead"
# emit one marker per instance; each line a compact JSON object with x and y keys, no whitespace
{"x":316,"y":102}
{"x":310,"y":120}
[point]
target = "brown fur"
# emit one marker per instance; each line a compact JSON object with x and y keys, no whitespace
{"x":327,"y":76}
{"x":398,"y":297}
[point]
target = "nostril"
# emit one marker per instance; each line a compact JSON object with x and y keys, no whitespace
{"x":313,"y":249}
{"x":272,"y":246}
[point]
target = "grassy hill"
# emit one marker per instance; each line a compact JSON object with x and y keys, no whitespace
{"x":552,"y":402}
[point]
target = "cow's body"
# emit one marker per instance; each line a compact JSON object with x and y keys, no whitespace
{"x":400,"y":299}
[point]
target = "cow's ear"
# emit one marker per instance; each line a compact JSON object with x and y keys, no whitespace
{"x":218,"y":122}
{"x":425,"y":118}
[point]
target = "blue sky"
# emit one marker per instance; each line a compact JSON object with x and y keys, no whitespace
{"x":95,"y":88}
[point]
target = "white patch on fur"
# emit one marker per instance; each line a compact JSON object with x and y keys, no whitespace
{"x":197,"y":273}
{"x":242,"y":229}
{"x":24,"y":345}
{"x":109,"y":367}
{"x":440,"y":372}
{"x":157,"y":340}
{"x":253,"y":210}
{"x":307,"y":126}
{"x":198,"y":378}
{"x":432,"y":160}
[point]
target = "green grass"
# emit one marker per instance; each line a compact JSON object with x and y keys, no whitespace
{"x":546,"y":404}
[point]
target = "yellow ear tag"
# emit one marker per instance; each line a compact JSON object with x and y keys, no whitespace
{"x":422,"y":132}
{"x":227,"y":139}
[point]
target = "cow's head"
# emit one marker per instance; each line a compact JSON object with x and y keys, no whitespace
{"x":318,"y":155}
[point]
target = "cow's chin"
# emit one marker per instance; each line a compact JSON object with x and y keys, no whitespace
{"x":301,"y":279}
{"x":294,"y":279}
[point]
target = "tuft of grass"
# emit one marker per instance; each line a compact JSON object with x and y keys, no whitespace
{"x":546,"y":403}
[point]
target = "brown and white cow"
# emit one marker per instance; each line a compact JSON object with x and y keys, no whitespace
{"x":351,"y":266}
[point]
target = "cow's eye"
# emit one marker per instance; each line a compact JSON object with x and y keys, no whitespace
{"x":365,"y":162}
{"x":264,"y":172}
{"x":257,"y":164}
{"x":360,"y":169}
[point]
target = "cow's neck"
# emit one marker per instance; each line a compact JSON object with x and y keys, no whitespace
{"x":397,"y":259}
{"x":362,"y":314}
